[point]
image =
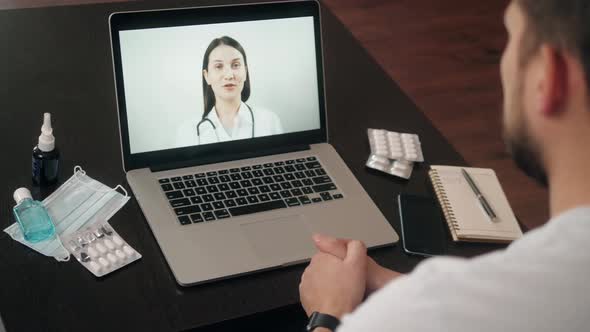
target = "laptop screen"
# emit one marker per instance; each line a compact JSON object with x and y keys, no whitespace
{"x":205,"y":84}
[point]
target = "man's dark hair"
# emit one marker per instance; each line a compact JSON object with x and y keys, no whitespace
{"x":564,"y":24}
{"x":208,"y":95}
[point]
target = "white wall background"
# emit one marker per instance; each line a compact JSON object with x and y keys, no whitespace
{"x":163,"y":80}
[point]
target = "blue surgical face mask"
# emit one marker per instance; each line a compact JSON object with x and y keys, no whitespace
{"x":79,"y":202}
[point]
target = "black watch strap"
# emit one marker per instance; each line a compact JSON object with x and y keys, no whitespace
{"x":317,"y":319}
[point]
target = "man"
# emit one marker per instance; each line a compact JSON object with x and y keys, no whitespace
{"x":540,"y":282}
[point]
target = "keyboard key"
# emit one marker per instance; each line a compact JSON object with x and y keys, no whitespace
{"x":275,"y":196}
{"x":214,"y":180}
{"x":285,"y":194}
{"x":279,"y":170}
{"x":164,"y":180}
{"x":202,"y":182}
{"x":186,"y":210}
{"x":230,"y":203}
{"x":297,"y":184}
{"x":275,"y":187}
{"x":201,"y":191}
{"x":289,"y":168}
{"x":218,"y":205}
{"x":208,"y":198}
{"x":231,"y":194}
{"x":264,"y":197}
{"x":264,"y":189}
{"x":223,"y":171}
{"x":241,"y":201}
{"x":337,"y":196}
{"x":167,"y":187}
{"x":242,"y":192}
{"x":296,"y":192}
{"x":178,"y":185}
{"x":268,"y":171}
{"x":304,"y":200}
{"x":174,"y":194}
{"x":290,"y":162}
{"x":324,"y":187}
{"x":266,"y":206}
{"x":247,"y":175}
{"x":278,"y":178}
{"x":267,"y":165}
{"x":313,"y":165}
{"x":209,"y":216}
{"x":316,"y":199}
{"x":196,"y":200}
{"x":234,"y":170}
{"x":196,"y":217}
{"x":286,"y":185}
{"x":245,"y":168}
{"x":320,"y":171}
{"x":222,"y":214}
{"x":307,"y":190}
{"x":189,"y":192}
{"x":257,"y":167}
{"x":206,"y":206}
{"x":307,"y":182}
{"x":246,"y":183}
{"x":292,"y":201}
{"x":279,"y":163}
{"x":190,"y":183}
{"x":326,"y":196}
{"x":225,"y":178}
{"x":187,"y":177}
{"x":176,"y":178}
{"x":236,"y":177}
{"x":219,"y":196}
{"x":252,"y":199}
{"x":235,"y":185}
{"x":213,"y":173}
{"x":200,"y":175}
{"x":184,"y":220}
{"x":223,"y":187}
{"x":299,"y":175}
{"x":310,"y":173}
{"x":256,"y":182}
{"x":212,"y":189}
{"x":258,"y":173}
{"x":300,"y":167}
{"x":267,"y":180}
{"x":300,"y":160}
{"x":289,"y":177}
{"x":322,"y":180}
{"x":311,"y":158}
{"x":253,"y":191}
{"x":180,"y":202}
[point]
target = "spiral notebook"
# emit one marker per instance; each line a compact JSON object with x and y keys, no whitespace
{"x":466,"y":218}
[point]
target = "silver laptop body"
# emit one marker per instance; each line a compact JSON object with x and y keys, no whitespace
{"x":303,"y":186}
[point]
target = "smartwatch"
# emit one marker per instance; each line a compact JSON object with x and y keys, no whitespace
{"x":317,"y":319}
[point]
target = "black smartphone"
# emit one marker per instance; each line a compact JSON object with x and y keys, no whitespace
{"x":422,"y":224}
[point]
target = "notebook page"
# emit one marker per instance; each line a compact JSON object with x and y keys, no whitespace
{"x":471,"y":217}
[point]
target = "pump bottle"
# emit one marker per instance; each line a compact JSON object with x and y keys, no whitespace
{"x":32,"y":217}
{"x":45,"y":155}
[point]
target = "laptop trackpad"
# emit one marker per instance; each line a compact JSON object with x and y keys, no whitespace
{"x":282,"y":240}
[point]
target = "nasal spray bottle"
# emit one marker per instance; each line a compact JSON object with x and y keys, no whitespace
{"x":45,"y":155}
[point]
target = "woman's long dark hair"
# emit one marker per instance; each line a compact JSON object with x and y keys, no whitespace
{"x":208,"y":95}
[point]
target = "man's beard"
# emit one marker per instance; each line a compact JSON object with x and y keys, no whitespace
{"x":521,"y":146}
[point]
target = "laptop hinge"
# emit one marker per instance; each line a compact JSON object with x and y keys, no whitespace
{"x":218,"y":158}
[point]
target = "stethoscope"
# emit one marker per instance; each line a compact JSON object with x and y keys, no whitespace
{"x":215,"y":128}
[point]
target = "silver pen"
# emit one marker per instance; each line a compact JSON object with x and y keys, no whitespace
{"x":482,"y":200}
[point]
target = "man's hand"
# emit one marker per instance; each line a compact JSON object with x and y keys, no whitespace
{"x":332,"y":285}
{"x":377,"y":276}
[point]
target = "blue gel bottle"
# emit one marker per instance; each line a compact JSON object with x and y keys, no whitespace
{"x":32,"y":217}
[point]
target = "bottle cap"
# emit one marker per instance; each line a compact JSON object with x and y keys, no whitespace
{"x":46,"y":139}
{"x":20,"y":194}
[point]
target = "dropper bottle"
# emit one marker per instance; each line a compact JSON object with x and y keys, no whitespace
{"x":45,"y":155}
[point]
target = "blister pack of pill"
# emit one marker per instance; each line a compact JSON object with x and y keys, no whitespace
{"x":394,"y":153}
{"x":100,"y":249}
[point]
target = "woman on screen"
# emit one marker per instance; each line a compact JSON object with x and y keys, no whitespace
{"x":226,"y":88}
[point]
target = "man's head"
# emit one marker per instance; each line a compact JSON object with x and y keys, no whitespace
{"x":545,"y":76}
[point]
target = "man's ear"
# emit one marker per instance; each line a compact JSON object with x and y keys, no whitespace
{"x":206,"y":76}
{"x":553,"y":85}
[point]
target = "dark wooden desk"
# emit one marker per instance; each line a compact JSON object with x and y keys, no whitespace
{"x":58,"y":60}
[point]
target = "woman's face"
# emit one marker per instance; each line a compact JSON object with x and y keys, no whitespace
{"x":226,"y":72}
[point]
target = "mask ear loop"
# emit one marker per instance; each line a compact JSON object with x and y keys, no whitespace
{"x":79,"y":170}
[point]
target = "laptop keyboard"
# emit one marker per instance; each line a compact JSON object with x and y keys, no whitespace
{"x":226,"y":193}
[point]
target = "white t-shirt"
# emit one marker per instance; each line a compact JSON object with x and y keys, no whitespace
{"x":265,"y":123}
{"x":539,"y":283}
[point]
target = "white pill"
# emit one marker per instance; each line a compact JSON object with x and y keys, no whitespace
{"x":130,"y":252}
{"x":118,"y":241}
{"x":104,"y":262}
{"x":109,"y":244}
{"x":112,"y":258}
{"x":101,"y":248}
{"x":92,"y":252}
{"x":95,"y":267}
{"x":120,"y":254}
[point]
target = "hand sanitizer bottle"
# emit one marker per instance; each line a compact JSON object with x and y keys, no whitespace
{"x":32,"y":217}
{"x":45,"y":155}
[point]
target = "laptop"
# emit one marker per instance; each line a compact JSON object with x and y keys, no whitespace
{"x":223,"y":127}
